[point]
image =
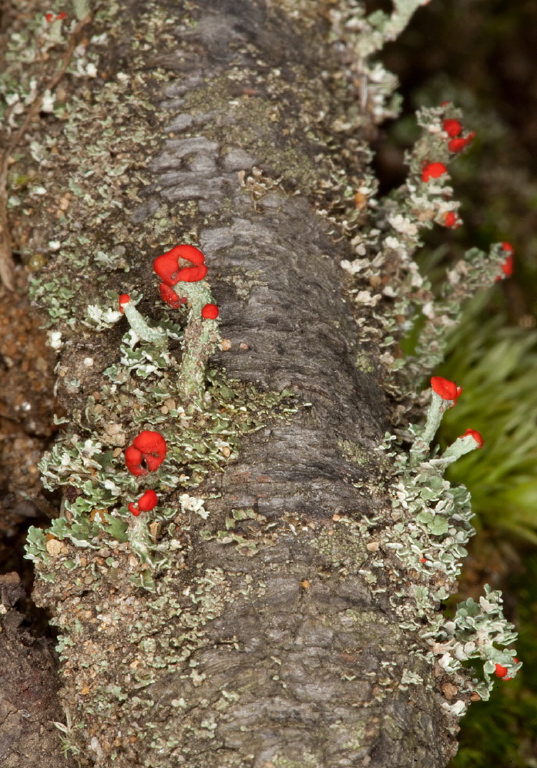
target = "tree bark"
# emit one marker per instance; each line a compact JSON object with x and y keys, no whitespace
{"x":279,"y":647}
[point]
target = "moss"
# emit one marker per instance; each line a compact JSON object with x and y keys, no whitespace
{"x":354,"y":452}
{"x":363,"y":363}
{"x":253,"y":128}
{"x":342,"y":545}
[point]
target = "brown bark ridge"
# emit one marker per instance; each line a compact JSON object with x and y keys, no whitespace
{"x":280,"y":647}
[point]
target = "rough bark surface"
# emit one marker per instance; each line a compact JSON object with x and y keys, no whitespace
{"x":28,"y":695}
{"x":298,"y":658}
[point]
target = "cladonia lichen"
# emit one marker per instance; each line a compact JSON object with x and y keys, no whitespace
{"x":119,"y":580}
{"x":429,"y":536}
{"x":430,"y":519}
{"x":149,"y":388}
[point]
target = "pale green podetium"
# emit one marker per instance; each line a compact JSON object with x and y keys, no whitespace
{"x":421,"y":446}
{"x":139,"y":325}
{"x":199,"y":341}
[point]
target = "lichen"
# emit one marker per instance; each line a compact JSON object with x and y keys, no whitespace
{"x":306,"y":760}
{"x":118,"y":582}
{"x":354,"y":452}
{"x":199,"y":440}
{"x":432,"y":525}
{"x":430,"y":519}
{"x":389,"y":292}
{"x":343,"y":544}
{"x":162,"y":632}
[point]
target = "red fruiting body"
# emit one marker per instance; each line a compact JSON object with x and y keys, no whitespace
{"x":501,"y":671}
{"x":192,"y":274}
{"x":508,"y":265}
{"x":168,"y":295}
{"x":458,"y":144}
{"x":123,"y":299}
{"x":475,"y":434}
{"x":153,"y":447}
{"x":146,"y":503}
{"x":210,"y":312}
{"x":50,"y":17}
{"x":167,"y":265}
{"x":423,"y":559}
{"x":433,"y":171}
{"x":450,"y":219}
{"x":149,"y":448}
{"x":188,"y":252}
{"x":451,"y":127}
{"x":133,"y":460}
{"x":445,"y":388}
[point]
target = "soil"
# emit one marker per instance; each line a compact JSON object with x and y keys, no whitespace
{"x":26,"y":425}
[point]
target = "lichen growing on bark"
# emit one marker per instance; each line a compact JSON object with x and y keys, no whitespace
{"x":161,"y":617}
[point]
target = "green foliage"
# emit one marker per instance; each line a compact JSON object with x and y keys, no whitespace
{"x":496,"y":366}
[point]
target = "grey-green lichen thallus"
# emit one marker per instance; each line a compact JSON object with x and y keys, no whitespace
{"x":199,"y":419}
{"x":429,"y":537}
{"x":125,"y":566}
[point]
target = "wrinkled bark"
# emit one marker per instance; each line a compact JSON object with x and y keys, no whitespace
{"x":300,"y":658}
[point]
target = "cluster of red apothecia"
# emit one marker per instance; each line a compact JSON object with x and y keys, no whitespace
{"x":456,"y":143}
{"x":51,"y":17}
{"x":145,"y":454}
{"x":148,"y":449}
{"x":449,"y":391}
{"x":171,"y":273}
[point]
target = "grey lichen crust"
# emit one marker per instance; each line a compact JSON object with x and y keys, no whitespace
{"x":246,"y":620}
